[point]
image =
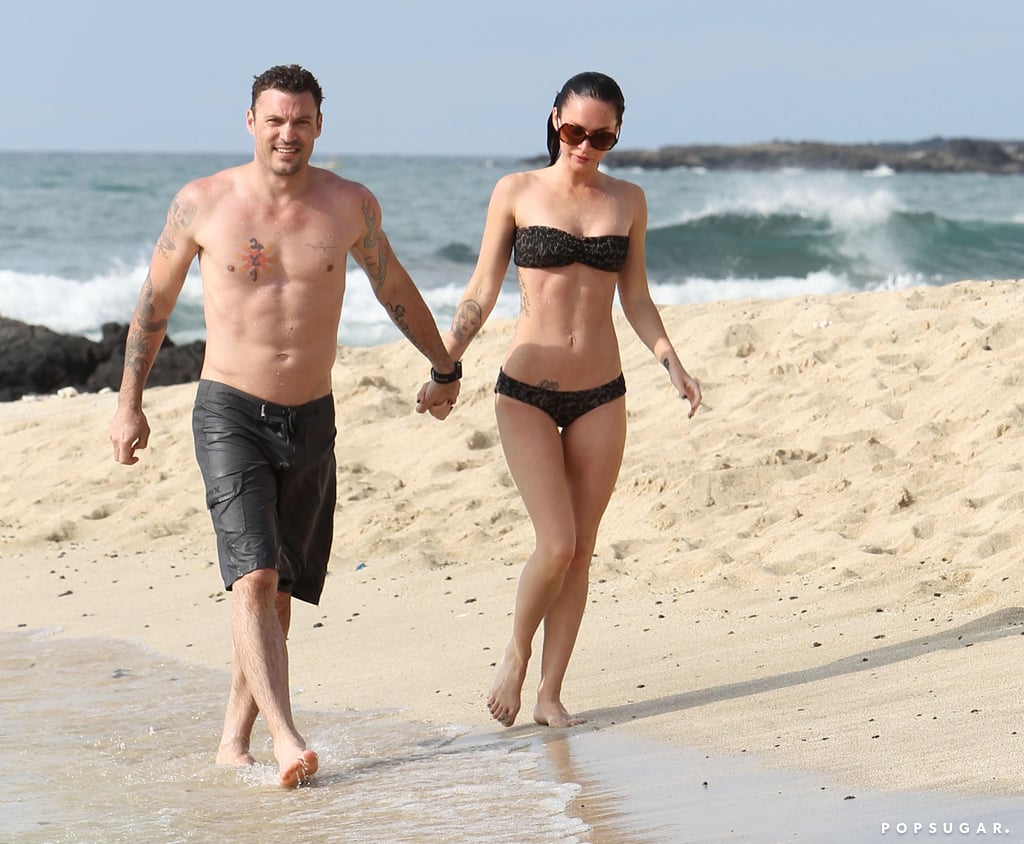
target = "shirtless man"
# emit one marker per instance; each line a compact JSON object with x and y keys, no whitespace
{"x":272,"y":238}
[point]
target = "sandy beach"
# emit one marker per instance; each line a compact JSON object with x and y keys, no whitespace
{"x":821,"y":569}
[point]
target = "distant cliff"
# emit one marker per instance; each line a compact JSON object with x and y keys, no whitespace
{"x":936,"y":155}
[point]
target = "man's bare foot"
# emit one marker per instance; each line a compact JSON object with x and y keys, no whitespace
{"x":504,"y":698}
{"x":555,"y":715}
{"x":298,"y":771}
{"x":234,"y":755}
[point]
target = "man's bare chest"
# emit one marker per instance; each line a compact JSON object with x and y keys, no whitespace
{"x":266,"y":253}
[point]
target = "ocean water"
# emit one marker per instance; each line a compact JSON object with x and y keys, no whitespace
{"x":104,"y":742}
{"x":77,"y":230}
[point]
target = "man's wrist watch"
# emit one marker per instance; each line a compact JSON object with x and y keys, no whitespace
{"x":447,"y":377}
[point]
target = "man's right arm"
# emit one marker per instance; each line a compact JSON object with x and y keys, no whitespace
{"x":168,"y":268}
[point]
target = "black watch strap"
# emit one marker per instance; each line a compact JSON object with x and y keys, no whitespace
{"x":447,"y":377}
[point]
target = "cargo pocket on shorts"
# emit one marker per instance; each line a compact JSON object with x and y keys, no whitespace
{"x":224,"y":501}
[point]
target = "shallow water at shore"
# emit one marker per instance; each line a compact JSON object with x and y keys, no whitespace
{"x":103,"y":741}
{"x":106,"y":742}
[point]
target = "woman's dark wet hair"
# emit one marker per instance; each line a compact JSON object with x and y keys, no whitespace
{"x":589,"y":85}
{"x":290,"y":78}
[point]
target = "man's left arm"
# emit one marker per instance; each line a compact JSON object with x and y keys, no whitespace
{"x":396,"y":291}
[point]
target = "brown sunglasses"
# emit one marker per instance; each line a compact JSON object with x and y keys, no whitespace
{"x":602,"y":139}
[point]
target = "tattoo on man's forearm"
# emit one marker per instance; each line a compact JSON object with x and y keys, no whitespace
{"x":467,"y":320}
{"x":377,"y":249}
{"x":397,"y":314}
{"x":137,"y":355}
{"x":179,"y":216}
{"x":145,"y":310}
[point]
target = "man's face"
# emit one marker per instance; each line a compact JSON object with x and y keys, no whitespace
{"x":285,"y":126}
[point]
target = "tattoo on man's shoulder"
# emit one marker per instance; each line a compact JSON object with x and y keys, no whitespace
{"x":179,"y":217}
{"x":467,"y":320}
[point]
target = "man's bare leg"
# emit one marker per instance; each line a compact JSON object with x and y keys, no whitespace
{"x":240,"y":718}
{"x":261,"y":653}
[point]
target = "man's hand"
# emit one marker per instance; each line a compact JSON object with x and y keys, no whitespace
{"x":129,"y":430}
{"x":438,"y":399}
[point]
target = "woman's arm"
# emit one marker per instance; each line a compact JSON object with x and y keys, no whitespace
{"x":640,"y":310}
{"x":481,"y":293}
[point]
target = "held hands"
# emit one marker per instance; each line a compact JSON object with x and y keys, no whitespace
{"x":438,"y":399}
{"x":129,"y":431}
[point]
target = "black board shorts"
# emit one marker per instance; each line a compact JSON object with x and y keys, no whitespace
{"x":271,"y":485}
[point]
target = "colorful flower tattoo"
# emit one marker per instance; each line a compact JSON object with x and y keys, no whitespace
{"x":255,"y":258}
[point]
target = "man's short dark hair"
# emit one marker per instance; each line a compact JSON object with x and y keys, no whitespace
{"x":287,"y":77}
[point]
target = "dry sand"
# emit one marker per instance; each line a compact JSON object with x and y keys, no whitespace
{"x":822,"y":568}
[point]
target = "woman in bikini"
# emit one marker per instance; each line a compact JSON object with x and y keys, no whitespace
{"x":576,"y":236}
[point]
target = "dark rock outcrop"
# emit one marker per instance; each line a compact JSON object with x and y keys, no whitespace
{"x":935,"y":155}
{"x":35,"y":360}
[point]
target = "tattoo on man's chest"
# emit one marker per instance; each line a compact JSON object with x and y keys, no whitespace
{"x":255,"y":258}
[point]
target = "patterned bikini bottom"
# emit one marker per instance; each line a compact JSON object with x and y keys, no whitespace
{"x":564,"y":406}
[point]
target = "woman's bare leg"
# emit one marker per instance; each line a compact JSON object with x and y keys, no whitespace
{"x":533,"y":449}
{"x":593,"y":446}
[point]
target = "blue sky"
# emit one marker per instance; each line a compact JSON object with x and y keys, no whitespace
{"x":462,"y":77}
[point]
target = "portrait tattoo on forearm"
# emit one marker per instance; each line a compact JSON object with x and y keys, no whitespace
{"x":377,"y":250}
{"x":467,"y":320}
{"x":179,"y":217}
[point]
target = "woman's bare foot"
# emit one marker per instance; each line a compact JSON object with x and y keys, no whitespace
{"x":299,"y":770}
{"x":234,"y":754}
{"x":553,"y":714}
{"x":505,"y":696}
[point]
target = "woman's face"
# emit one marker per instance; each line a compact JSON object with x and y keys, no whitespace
{"x":591,"y":116}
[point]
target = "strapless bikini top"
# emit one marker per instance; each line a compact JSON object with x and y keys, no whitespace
{"x":544,"y":246}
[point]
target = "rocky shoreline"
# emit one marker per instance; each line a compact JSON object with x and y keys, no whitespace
{"x":936,"y":155}
{"x":38,"y":361}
